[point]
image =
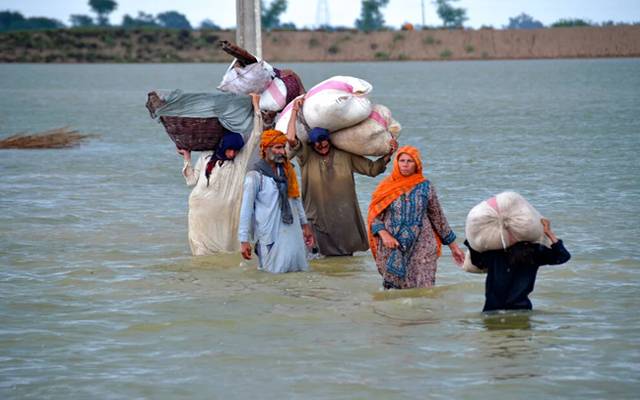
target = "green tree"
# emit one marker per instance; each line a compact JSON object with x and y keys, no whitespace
{"x":371,"y":18}
{"x":103,"y":8}
{"x":143,"y":20}
{"x":288,"y":26}
{"x":451,"y":16}
{"x":15,"y":21}
{"x":270,"y":15}
{"x":81,"y":21}
{"x":209,"y":24}
{"x":568,"y":23}
{"x":524,"y":21}
{"x":43,"y":23}
{"x":173,"y":20}
{"x":11,"y":20}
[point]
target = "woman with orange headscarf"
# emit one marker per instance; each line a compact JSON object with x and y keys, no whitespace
{"x":407,"y":226}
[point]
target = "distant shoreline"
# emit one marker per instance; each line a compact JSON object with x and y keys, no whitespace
{"x":174,"y":46}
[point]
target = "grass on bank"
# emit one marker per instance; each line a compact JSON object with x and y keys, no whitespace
{"x":59,"y":138}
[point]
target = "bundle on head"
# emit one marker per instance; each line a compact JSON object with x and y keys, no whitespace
{"x":501,"y":221}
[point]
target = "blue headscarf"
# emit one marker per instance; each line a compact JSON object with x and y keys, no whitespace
{"x":230,"y":140}
{"x":318,"y":135}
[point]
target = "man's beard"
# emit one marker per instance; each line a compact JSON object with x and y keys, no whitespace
{"x":276,"y":158}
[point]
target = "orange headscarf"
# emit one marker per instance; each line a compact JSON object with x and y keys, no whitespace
{"x":272,"y":137}
{"x":391,"y":188}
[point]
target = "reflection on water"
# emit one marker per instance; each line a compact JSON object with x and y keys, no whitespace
{"x":501,"y":320}
{"x":101,"y":299}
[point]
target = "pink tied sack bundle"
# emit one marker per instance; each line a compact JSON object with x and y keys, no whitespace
{"x":502,"y":221}
{"x":335,"y":103}
{"x":371,"y":137}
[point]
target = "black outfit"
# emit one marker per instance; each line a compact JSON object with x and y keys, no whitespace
{"x":508,"y":286}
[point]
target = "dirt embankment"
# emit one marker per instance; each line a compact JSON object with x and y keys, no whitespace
{"x":117,"y":45}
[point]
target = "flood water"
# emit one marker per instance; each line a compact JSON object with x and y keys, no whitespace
{"x":100,"y":297}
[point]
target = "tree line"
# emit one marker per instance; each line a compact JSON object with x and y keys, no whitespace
{"x":371,"y":18}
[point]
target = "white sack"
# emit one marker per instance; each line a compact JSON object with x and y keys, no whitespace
{"x":274,"y":97}
{"x":501,"y":221}
{"x":337,"y":103}
{"x":371,"y":137}
{"x":254,"y":78}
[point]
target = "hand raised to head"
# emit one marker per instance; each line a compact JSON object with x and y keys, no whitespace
{"x":186,"y":154}
{"x":394,"y":146}
{"x":297,"y":103}
{"x":546,"y":224}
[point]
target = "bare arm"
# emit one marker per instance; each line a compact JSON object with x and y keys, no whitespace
{"x":291,"y":127}
{"x":546,"y":226}
{"x":255,"y":101}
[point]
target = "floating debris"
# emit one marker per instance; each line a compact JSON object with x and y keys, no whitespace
{"x":60,"y":138}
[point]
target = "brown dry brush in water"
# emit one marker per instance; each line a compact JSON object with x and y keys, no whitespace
{"x":60,"y":138}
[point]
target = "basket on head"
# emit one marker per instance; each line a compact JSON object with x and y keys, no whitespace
{"x":188,"y":133}
{"x":195,"y":134}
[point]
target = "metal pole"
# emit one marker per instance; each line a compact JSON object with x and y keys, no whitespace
{"x":422,"y":14}
{"x":248,"y":26}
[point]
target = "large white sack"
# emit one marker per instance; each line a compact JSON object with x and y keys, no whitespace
{"x":274,"y":97}
{"x":501,"y":221}
{"x":371,"y":137}
{"x":254,"y":78}
{"x":337,"y":103}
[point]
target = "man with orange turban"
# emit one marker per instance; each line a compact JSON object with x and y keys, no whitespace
{"x":271,"y":214}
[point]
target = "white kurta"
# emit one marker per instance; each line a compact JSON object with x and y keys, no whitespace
{"x":214,"y":210}
{"x":280,"y":246}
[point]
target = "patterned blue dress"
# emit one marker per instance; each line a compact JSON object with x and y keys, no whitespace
{"x":413,"y":219}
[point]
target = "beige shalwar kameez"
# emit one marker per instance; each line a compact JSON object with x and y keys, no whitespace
{"x":329,"y":196}
{"x":214,"y":209}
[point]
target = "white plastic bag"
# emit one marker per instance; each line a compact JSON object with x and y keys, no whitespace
{"x":274,"y":98}
{"x":371,"y":137}
{"x":254,"y":78}
{"x":337,"y":103}
{"x":502,"y":221}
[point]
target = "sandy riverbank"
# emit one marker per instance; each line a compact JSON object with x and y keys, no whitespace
{"x":117,"y":45}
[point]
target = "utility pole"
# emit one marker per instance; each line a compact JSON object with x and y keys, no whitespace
{"x":422,"y":14}
{"x":322,"y":14}
{"x":248,"y":26}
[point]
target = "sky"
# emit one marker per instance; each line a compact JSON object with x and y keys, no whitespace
{"x":303,"y":13}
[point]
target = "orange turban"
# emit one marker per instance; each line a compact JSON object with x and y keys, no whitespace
{"x":270,"y":138}
{"x":393,"y":187}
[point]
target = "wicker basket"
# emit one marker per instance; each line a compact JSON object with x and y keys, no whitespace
{"x":194,"y":134}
